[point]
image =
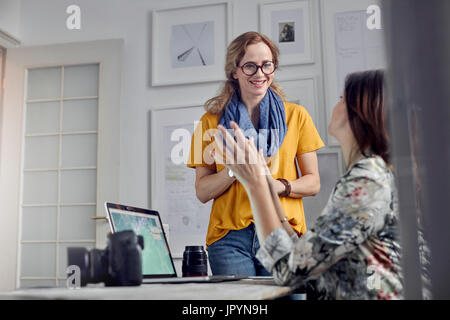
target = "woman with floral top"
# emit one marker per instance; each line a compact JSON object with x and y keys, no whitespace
{"x":352,"y":252}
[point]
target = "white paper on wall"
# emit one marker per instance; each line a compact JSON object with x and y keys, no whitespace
{"x":187,"y":216}
{"x":357,"y":47}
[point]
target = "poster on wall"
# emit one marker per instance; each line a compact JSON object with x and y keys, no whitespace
{"x":349,"y":45}
{"x":357,"y":47}
{"x":184,"y":212}
{"x":189,"y":43}
{"x":172,"y":188}
{"x":288,"y":26}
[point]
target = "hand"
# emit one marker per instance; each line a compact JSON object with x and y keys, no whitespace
{"x":240,"y":156}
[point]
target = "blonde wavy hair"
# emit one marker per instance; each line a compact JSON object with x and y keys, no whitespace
{"x":235,"y":53}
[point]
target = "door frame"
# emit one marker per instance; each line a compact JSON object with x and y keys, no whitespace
{"x":109,"y":55}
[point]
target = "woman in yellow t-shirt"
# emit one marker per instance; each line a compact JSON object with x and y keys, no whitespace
{"x":284,"y":131}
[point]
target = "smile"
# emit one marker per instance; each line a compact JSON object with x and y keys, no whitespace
{"x":258,"y":83}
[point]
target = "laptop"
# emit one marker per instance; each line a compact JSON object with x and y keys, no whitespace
{"x":157,"y":262}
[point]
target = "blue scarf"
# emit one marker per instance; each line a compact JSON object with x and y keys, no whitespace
{"x":272,"y":121}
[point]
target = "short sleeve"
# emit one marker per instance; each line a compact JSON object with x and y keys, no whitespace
{"x":201,"y":144}
{"x":309,"y":139}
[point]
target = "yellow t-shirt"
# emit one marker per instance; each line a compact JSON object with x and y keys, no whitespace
{"x":232,"y":210}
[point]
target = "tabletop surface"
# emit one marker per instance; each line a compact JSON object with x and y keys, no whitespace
{"x":245,"y":289}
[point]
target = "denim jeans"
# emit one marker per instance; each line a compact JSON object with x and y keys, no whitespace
{"x":236,"y":254}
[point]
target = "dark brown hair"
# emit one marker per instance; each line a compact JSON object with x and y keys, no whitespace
{"x":364,"y":97}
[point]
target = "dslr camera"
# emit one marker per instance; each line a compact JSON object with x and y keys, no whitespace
{"x":120,"y":264}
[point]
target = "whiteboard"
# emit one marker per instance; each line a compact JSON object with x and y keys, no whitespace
{"x":172,"y":183}
{"x":348,"y":46}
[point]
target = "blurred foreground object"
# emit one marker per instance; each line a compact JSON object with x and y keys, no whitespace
{"x":418,"y":54}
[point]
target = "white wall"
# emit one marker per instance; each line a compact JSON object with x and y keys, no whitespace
{"x":10,"y":17}
{"x":43,"y":22}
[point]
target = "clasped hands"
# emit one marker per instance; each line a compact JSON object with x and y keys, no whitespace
{"x":240,"y":156}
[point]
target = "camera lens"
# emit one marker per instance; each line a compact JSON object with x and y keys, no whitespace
{"x":80,"y":257}
{"x":195,"y":262}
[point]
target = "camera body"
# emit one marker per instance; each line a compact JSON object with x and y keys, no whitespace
{"x":119,"y":264}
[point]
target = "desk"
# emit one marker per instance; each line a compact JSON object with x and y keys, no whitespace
{"x":245,"y":289}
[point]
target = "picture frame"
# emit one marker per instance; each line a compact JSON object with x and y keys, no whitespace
{"x":288,"y":25}
{"x":189,"y":43}
{"x":340,"y":53}
{"x":303,"y":91}
{"x":331,"y":168}
{"x":172,"y":183}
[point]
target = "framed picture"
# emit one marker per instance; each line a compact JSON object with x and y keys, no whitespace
{"x":348,"y":46}
{"x":189,"y":43}
{"x":331,"y":168}
{"x":303,"y":92}
{"x":172,"y":183}
{"x":288,"y":25}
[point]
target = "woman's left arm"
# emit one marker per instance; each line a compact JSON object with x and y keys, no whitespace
{"x":355,"y":212}
{"x":308,"y":184}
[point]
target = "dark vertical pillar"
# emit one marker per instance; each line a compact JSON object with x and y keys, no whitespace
{"x":418,"y":53}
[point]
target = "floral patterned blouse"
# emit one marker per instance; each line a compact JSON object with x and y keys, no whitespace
{"x":352,"y":252}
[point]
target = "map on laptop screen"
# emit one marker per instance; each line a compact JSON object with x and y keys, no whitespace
{"x":155,"y":256}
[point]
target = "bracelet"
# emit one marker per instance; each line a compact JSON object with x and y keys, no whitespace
{"x":287,"y":186}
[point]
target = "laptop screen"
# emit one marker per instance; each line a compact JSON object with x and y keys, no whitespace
{"x":156,"y":257}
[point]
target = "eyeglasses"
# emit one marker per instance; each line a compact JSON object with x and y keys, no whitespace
{"x":251,"y":68}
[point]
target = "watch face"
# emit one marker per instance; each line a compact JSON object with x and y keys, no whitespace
{"x":230,"y":173}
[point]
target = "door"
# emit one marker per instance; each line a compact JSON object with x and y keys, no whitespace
{"x":60,"y":156}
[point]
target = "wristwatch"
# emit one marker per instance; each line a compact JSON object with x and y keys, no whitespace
{"x":230,"y":173}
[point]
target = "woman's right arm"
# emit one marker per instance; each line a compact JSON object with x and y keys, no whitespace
{"x":211,"y":185}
